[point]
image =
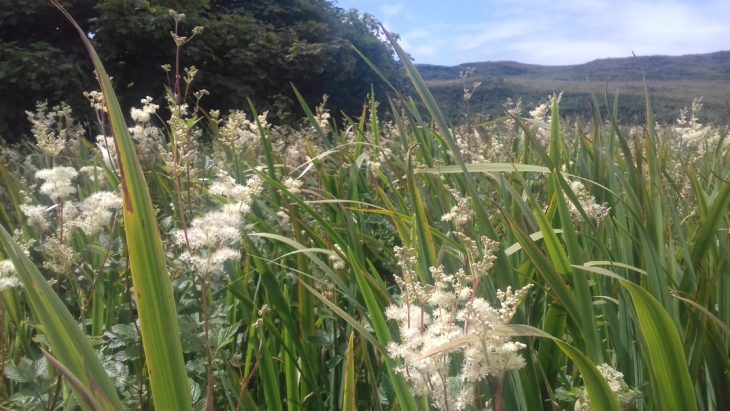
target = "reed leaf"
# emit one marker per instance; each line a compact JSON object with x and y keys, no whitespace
{"x":69,"y":344}
{"x":152,"y":289}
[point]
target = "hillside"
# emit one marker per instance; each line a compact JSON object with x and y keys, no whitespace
{"x":673,"y":83}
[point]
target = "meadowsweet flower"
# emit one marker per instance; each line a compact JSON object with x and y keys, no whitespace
{"x":59,"y":258}
{"x":95,"y":212}
{"x":58,"y":182}
{"x":36,"y":216}
{"x":53,"y":129}
{"x":207,"y":240}
{"x":694,"y":139}
{"x":615,"y":379}
{"x":242,"y":195}
{"x":587,"y":202}
{"x":96,"y":100}
{"x":294,"y":185}
{"x":460,"y":213}
{"x":239,"y":133}
{"x":7,"y":276}
{"x":540,"y":112}
{"x":322,"y":115}
{"x":432,"y":316}
{"x":91,"y":171}
{"x":190,"y":72}
{"x":337,"y":262}
{"x":142,"y":115}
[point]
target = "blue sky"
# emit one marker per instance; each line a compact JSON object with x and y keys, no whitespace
{"x":550,"y":32}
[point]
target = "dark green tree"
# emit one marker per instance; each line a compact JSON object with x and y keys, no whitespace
{"x":248,"y":50}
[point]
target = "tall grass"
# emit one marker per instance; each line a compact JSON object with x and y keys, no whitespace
{"x":622,"y":232}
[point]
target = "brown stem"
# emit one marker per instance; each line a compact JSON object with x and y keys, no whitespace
{"x":250,"y":375}
{"x":208,"y":352}
{"x":177,"y":68}
{"x":497,"y":393}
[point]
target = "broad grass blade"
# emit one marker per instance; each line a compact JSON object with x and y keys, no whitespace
{"x":671,"y":384}
{"x":69,"y":344}
{"x":152,"y":288}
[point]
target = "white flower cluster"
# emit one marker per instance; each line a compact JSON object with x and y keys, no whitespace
{"x":337,"y":262}
{"x":239,"y":133}
{"x":90,"y":215}
{"x":96,"y":100}
{"x":142,"y":115}
{"x":35,"y":215}
{"x":241,"y":195}
{"x":53,"y":129}
{"x":58,"y":182}
{"x":322,"y":115}
{"x":209,"y":238}
{"x":694,"y":139}
{"x":542,"y":113}
{"x":7,"y":276}
{"x":431,"y":317}
{"x":460,"y":213}
{"x":588,"y":203}
{"x":93,"y":213}
{"x":615,"y":379}
{"x":294,"y":185}
{"x":58,"y":256}
{"x":148,"y":137}
{"x":470,"y":145}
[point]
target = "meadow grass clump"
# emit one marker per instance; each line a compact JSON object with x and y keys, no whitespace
{"x":213,"y":260}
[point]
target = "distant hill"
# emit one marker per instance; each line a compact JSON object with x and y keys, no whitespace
{"x":673,"y":82}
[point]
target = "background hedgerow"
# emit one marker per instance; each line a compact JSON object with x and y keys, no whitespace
{"x":362,"y":263}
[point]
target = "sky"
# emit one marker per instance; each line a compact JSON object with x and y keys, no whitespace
{"x":451,"y":32}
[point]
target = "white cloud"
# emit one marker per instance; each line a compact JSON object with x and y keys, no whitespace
{"x":392,"y":10}
{"x":550,"y":32}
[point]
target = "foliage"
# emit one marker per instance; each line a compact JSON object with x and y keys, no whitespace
{"x":252,"y":50}
{"x":673,"y":81}
{"x":308,"y":264}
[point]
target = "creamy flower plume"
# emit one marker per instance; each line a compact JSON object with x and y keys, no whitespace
{"x":58,"y":182}
{"x":7,"y":276}
{"x":431,"y":317}
{"x":209,"y":238}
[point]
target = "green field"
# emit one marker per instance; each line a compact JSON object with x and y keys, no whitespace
{"x":215,"y":261}
{"x":673,"y":83}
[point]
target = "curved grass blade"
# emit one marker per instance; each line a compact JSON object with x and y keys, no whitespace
{"x":152,"y":288}
{"x":84,"y":393}
{"x":485,"y":168}
{"x":349,"y":402}
{"x":599,"y":393}
{"x":669,"y":374}
{"x":68,"y":342}
{"x":711,"y":221}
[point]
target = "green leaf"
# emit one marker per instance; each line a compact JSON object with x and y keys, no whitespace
{"x":68,"y":342}
{"x":662,"y":349}
{"x":152,"y":288}
{"x":349,"y":402}
{"x":599,"y":393}
{"x":485,"y":168}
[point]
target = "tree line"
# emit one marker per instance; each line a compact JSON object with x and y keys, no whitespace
{"x":248,"y":50}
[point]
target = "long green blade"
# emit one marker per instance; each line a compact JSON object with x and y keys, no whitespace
{"x":599,"y":393}
{"x":152,"y":288}
{"x":68,"y":342}
{"x":662,"y":348}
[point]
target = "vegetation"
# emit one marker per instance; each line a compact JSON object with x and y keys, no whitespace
{"x":673,"y":83}
{"x":252,"y":50}
{"x":363,"y":264}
